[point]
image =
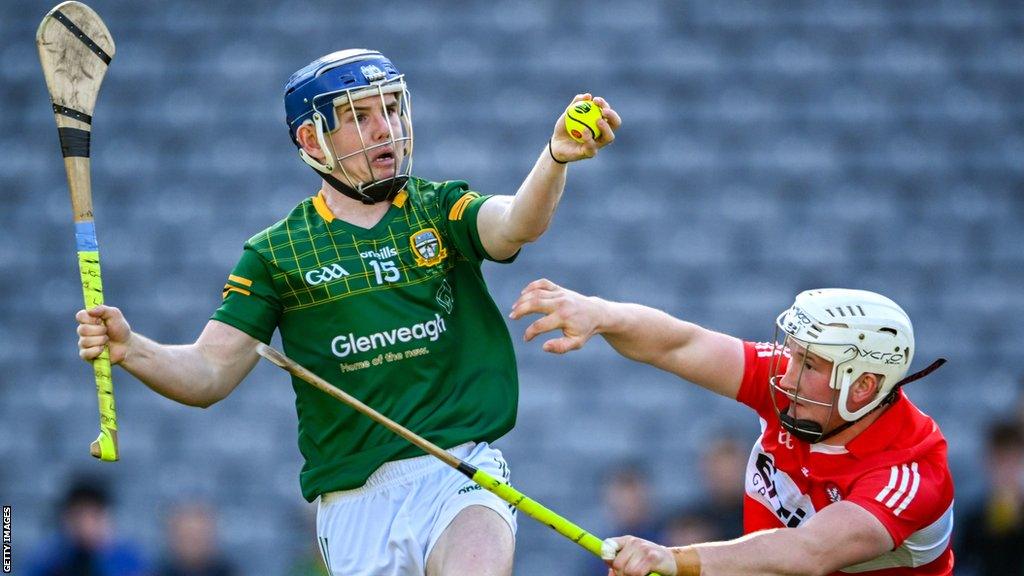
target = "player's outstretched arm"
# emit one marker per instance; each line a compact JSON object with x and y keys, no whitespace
{"x":197,"y":374}
{"x":711,"y":359}
{"x":507,"y":222}
{"x":840,"y":535}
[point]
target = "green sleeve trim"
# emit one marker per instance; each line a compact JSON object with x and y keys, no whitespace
{"x":474,"y":232}
{"x":250,"y":303}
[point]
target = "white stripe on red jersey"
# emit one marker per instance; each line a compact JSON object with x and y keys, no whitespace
{"x":904,"y":480}
{"x":894,"y":476}
{"x":913,"y":490}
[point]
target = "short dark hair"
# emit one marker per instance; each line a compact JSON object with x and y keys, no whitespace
{"x":86,"y":490}
{"x":1006,"y":435}
{"x":627,"y":471}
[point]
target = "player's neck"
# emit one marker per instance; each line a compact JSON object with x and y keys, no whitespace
{"x":351,"y":210}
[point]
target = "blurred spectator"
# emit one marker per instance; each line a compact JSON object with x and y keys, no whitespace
{"x":85,"y":544}
{"x":626,"y":496}
{"x":193,"y":548}
{"x":722,"y":467}
{"x":992,"y":535}
{"x":1020,"y":404}
{"x":688,"y":527}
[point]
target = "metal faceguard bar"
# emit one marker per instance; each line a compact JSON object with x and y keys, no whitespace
{"x":347,"y":96}
{"x":778,"y":351}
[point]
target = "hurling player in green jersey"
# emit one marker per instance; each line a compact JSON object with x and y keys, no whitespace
{"x":374,"y":283}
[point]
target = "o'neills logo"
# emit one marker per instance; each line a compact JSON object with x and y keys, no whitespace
{"x":345,"y":344}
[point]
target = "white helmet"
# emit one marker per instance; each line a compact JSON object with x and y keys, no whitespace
{"x":860,"y":332}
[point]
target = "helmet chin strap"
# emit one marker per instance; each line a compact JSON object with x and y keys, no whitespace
{"x":380,"y":191}
{"x":812,"y":432}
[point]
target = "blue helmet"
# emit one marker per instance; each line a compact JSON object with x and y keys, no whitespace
{"x":312,"y":96}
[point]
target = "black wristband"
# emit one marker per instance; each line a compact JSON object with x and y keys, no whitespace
{"x":550,"y":152}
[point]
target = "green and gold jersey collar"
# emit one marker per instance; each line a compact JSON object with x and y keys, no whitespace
{"x":397,"y":205}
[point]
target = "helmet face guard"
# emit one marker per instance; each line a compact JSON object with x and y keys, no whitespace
{"x":319,"y":93}
{"x":381,"y":185}
{"x":860,"y":333}
{"x":803,"y":428}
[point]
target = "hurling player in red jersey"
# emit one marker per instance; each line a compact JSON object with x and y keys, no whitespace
{"x":848,"y":476}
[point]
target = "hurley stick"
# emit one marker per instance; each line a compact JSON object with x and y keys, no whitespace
{"x":530,"y":507}
{"x":75,"y":49}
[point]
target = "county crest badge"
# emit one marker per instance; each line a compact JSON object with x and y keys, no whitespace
{"x":427,"y":248}
{"x":372,"y":73}
{"x":833,"y":493}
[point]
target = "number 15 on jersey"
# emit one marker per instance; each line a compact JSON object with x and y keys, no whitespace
{"x":385,"y":271}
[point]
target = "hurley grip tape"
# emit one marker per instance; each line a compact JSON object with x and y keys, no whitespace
{"x":74,"y":142}
{"x":85,"y":236}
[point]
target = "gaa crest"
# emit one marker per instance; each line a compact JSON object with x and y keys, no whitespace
{"x":427,"y":248}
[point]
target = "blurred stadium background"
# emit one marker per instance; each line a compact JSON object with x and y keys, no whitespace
{"x":766,"y":148}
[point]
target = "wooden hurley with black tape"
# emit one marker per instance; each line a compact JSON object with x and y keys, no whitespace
{"x":75,"y":49}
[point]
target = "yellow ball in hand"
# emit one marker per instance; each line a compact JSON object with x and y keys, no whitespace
{"x":582,"y":117}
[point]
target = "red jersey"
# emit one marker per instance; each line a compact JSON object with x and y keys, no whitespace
{"x":896,"y":469}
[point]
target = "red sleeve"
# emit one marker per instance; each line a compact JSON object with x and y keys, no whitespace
{"x":906,"y":497}
{"x":758,"y":359}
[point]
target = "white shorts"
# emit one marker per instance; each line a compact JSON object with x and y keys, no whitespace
{"x":388,"y":526}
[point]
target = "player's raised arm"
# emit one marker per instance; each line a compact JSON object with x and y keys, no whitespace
{"x":711,"y":359}
{"x":508,"y":222}
{"x":197,"y":374}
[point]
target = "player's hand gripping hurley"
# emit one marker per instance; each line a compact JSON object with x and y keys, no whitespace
{"x":530,"y":507}
{"x":75,"y":49}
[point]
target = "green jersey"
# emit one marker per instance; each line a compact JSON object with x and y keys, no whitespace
{"x":397,"y":315}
